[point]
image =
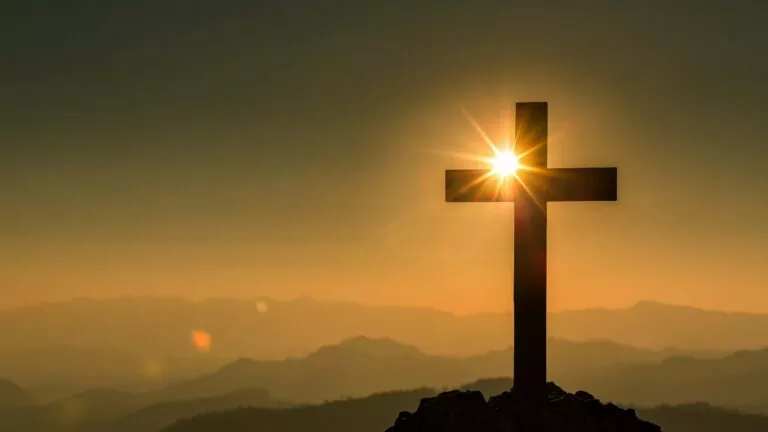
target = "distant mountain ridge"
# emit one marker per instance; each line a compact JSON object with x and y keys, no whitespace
{"x":62,"y":365}
{"x":373,"y":346}
{"x":240,"y":328}
{"x":618,"y":372}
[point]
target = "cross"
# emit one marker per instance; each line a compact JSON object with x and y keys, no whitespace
{"x":531,"y":189}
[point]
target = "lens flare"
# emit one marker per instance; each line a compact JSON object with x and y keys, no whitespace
{"x":201,"y":340}
{"x":505,"y":163}
{"x":262,"y":307}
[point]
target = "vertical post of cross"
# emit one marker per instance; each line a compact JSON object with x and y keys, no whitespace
{"x":530,"y":258}
{"x":534,"y":185}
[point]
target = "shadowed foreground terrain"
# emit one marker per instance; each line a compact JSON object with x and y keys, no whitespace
{"x":251,"y":410}
{"x":378,"y":412}
{"x":113,"y":411}
{"x":514,"y":411}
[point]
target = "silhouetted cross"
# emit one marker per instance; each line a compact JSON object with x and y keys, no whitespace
{"x":531,"y":189}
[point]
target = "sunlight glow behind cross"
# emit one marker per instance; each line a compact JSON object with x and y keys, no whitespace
{"x":505,"y":163}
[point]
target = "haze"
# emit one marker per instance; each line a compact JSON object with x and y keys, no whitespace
{"x":264,"y":149}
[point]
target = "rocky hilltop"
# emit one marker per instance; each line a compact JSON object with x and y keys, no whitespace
{"x":557,"y":411}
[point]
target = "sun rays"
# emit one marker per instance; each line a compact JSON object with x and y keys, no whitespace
{"x":504,"y":162}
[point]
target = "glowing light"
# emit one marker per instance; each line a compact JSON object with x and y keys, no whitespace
{"x":262,"y":307}
{"x":201,"y":340}
{"x":505,"y":163}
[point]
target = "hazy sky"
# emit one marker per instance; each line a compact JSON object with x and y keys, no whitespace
{"x":297,"y":148}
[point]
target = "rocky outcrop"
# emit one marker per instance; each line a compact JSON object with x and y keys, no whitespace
{"x":512,"y":411}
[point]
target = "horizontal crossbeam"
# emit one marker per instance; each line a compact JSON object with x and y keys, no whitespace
{"x":546,"y":185}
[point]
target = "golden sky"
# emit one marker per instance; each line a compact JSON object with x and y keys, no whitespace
{"x":238,"y":151}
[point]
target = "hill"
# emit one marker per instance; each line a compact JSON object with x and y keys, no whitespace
{"x":238,"y":327}
{"x":115,"y":411}
{"x":616,"y":372}
{"x":360,"y":366}
{"x":375,"y":413}
{"x":372,"y":413}
{"x":703,"y":417}
{"x":658,"y":325}
{"x":81,"y":367}
{"x":71,"y":413}
{"x":353,"y":367}
{"x":554,"y":409}
{"x":374,"y":346}
{"x":158,"y":416}
{"x":731,"y":381}
{"x":11,"y":395}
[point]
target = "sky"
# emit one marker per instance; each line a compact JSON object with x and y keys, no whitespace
{"x":293,"y":148}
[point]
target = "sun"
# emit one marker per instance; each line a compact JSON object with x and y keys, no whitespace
{"x":505,"y":163}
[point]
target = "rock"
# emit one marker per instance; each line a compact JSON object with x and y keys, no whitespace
{"x":459,"y":411}
{"x":511,"y":411}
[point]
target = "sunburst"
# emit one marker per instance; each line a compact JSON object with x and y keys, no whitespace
{"x":504,"y":162}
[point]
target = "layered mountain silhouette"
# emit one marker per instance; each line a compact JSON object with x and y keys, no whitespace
{"x":57,"y":349}
{"x":56,"y":370}
{"x":114,"y":411}
{"x":352,"y":361}
{"x":617,"y":372}
{"x":92,"y":407}
{"x":247,"y":410}
{"x":239,"y":328}
{"x":730,"y":381}
{"x":360,"y":366}
{"x":135,"y":380}
{"x":378,"y":412}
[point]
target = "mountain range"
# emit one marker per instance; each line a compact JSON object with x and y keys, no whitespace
{"x":113,"y":411}
{"x":87,"y":365}
{"x":56,"y":349}
{"x":268,"y":329}
{"x":361,"y":366}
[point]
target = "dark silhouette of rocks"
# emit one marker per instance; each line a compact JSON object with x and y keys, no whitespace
{"x":512,"y":411}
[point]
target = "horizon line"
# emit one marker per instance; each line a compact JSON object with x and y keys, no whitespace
{"x":299,"y":298}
